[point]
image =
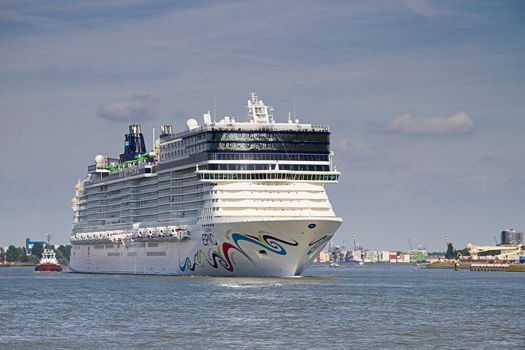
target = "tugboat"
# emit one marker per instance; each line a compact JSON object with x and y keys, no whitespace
{"x":48,"y":262}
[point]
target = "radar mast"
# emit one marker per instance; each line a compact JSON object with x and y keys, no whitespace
{"x":259,"y":112}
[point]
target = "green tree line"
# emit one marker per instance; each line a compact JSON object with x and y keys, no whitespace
{"x":19,"y":254}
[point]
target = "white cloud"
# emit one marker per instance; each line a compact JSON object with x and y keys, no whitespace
{"x":25,"y":18}
{"x":135,"y":108}
{"x":422,"y":7}
{"x":457,"y":124}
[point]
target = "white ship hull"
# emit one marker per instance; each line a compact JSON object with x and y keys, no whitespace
{"x":247,"y":248}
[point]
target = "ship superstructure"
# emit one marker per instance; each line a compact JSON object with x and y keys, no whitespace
{"x":220,"y":198}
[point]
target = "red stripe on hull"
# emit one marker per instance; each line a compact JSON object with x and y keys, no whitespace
{"x":48,"y":268}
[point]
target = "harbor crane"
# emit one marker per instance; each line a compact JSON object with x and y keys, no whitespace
{"x":30,"y":244}
{"x":359,"y":247}
{"x":410,"y":244}
{"x":356,"y":243}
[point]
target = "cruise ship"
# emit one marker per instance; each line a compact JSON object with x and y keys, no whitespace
{"x":220,"y":198}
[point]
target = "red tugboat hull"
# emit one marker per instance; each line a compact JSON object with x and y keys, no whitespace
{"x":48,"y":268}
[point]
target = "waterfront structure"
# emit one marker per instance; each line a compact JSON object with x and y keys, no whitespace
{"x":336,"y":254}
{"x":221,"y":198}
{"x":418,"y":255}
{"x":30,"y":244}
{"x":323,"y":257}
{"x":511,"y":248}
{"x":511,"y":237}
{"x":496,"y":252}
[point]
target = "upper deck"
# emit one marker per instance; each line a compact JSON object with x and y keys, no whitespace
{"x":260,"y":121}
{"x":260,"y":139}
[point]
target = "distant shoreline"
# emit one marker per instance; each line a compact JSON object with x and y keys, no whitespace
{"x":450,"y":265}
{"x":16,"y":263}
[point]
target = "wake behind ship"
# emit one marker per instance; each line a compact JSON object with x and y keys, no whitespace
{"x":221,"y":198}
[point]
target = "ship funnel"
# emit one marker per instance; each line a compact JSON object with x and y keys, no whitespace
{"x":134,"y":143}
{"x":166,"y":130}
{"x":134,"y":129}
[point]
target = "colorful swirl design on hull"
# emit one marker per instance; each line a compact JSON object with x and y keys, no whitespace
{"x":221,"y":256}
{"x":265,"y":241}
{"x":315,"y":245}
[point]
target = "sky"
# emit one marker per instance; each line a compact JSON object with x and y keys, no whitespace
{"x":425,"y":100}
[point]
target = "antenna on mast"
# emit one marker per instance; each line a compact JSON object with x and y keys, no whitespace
{"x":259,"y":112}
{"x":153,"y":140}
{"x":214,"y":107}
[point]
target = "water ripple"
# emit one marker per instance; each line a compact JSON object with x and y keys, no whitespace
{"x":380,"y":306}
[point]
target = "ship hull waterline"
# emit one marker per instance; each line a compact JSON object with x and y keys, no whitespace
{"x":48,"y":268}
{"x":241,"y":248}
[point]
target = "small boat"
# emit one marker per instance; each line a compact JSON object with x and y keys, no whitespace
{"x":334,"y":264}
{"x":48,"y":262}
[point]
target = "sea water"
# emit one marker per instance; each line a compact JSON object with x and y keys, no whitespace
{"x":350,"y":307}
